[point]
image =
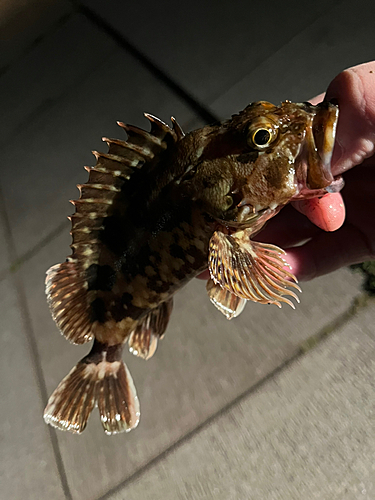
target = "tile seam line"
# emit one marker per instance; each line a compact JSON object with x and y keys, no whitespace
{"x":32,"y":345}
{"x":63,"y":19}
{"x":203,"y":112}
{"x":17,"y":263}
{"x":200,"y":109}
{"x":46,"y":105}
{"x":359,"y":303}
{"x":256,"y":66}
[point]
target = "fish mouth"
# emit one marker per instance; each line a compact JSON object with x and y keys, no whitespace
{"x":320,"y":141}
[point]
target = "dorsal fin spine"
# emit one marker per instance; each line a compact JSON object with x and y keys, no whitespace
{"x":145,"y":153}
{"x":133,"y":132}
{"x":103,"y":187}
{"x":177,"y":129}
{"x":113,"y":157}
{"x":159,"y":128}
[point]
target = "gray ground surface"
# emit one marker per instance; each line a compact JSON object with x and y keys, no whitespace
{"x":276,"y":404}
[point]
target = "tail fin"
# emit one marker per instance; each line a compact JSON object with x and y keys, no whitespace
{"x":100,"y":378}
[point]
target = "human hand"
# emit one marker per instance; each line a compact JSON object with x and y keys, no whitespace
{"x":354,"y":90}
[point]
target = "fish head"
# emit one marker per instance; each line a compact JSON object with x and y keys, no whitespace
{"x":263,"y":157}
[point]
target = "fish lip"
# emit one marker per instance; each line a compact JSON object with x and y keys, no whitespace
{"x":320,"y":143}
{"x":324,"y":131}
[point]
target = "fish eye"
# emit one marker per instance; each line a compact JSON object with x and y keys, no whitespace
{"x":261,"y":136}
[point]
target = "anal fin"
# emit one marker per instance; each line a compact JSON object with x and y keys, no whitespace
{"x":144,"y":338}
{"x":229,"y":304}
{"x":251,"y":270}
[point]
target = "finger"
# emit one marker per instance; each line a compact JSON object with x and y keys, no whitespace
{"x":354,"y":90}
{"x":327,"y":252}
{"x":204,"y":276}
{"x":327,"y":212}
{"x":287,"y":229}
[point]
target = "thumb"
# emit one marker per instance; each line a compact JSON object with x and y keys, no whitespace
{"x":354,"y":90}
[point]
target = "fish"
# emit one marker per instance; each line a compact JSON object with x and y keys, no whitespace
{"x":158,"y":209}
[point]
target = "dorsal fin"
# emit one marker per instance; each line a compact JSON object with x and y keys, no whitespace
{"x":141,"y":150}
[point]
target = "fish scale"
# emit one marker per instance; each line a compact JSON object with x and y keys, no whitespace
{"x":159,"y":208}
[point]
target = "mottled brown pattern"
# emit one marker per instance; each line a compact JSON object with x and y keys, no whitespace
{"x":157,"y":209}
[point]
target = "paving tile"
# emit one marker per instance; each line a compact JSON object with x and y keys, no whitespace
{"x":42,"y":164}
{"x":27,"y":464}
{"x":207,"y":47}
{"x":47,"y":72}
{"x":24,"y":21}
{"x":304,"y":66}
{"x":203,"y":363}
{"x":307,"y":433}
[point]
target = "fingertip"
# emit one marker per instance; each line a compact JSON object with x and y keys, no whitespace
{"x":353,"y":85}
{"x":204,"y":276}
{"x":327,"y":212}
{"x":354,"y":90}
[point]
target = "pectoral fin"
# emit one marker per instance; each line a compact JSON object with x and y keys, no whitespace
{"x":229,"y":304}
{"x":250,"y":270}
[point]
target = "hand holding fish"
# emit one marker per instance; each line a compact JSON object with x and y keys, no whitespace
{"x":354,"y":91}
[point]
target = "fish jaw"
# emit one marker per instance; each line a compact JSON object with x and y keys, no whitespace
{"x":314,"y":175}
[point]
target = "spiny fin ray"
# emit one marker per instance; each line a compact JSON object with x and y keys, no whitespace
{"x":250,"y":270}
